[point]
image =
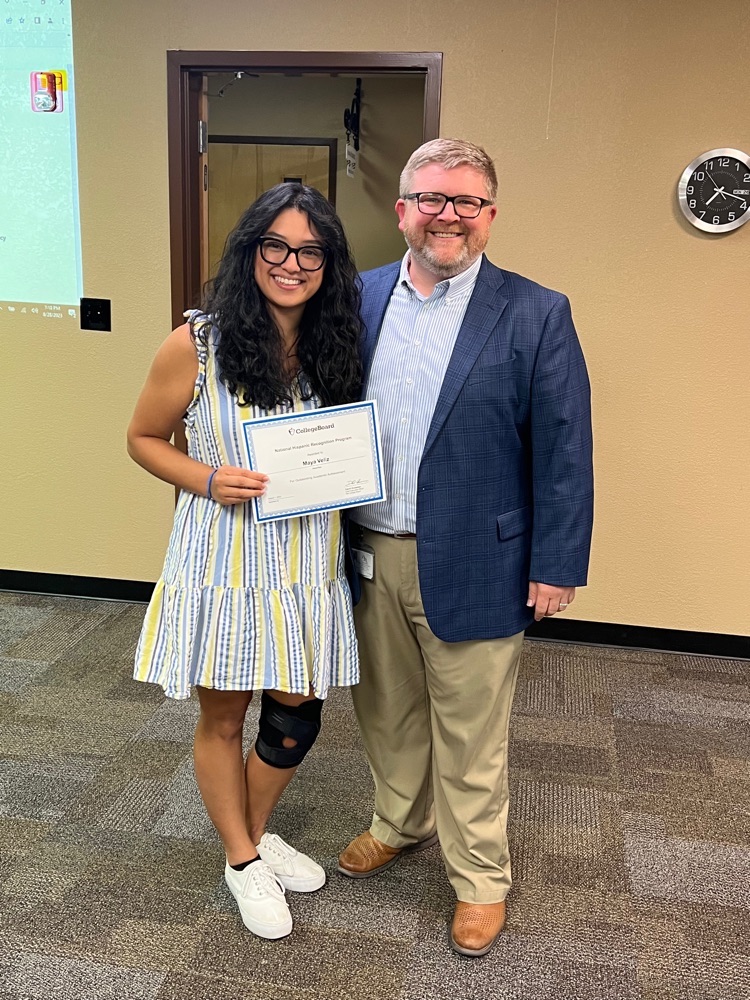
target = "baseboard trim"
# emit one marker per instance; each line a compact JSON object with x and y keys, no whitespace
{"x":60,"y":585}
{"x":736,"y":647}
{"x":569,"y":630}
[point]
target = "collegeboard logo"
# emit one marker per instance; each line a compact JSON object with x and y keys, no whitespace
{"x":308,"y":430}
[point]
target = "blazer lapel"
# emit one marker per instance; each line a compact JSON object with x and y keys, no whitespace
{"x":483,"y":314}
{"x":374,"y":304}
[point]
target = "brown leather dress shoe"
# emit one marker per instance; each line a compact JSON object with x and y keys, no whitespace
{"x":476,"y":927}
{"x":367,"y":856}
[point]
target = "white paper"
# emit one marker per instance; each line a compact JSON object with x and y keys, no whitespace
{"x":316,"y":460}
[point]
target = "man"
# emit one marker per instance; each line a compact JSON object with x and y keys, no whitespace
{"x":483,"y":399}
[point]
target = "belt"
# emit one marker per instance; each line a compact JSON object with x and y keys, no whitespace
{"x":391,"y":534}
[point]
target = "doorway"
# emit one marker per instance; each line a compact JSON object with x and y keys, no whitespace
{"x":241,"y":167}
{"x":191,"y":80}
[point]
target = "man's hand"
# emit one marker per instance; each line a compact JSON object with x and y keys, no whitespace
{"x":547,"y":600}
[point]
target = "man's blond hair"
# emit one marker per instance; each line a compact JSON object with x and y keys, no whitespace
{"x":450,"y":153}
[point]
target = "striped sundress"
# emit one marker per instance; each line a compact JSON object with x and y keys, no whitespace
{"x":243,"y":606}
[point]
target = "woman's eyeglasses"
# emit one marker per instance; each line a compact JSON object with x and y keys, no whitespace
{"x":309,"y":258}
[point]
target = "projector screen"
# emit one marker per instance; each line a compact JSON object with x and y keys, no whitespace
{"x":40,"y":238}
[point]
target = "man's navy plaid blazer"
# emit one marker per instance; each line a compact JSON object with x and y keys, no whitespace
{"x":505,"y":487}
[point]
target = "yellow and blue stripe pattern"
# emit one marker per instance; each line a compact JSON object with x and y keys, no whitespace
{"x":242,"y":606}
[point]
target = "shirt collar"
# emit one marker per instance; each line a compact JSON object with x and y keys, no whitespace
{"x":459,"y":284}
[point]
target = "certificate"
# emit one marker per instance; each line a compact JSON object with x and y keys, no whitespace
{"x":316,"y":460}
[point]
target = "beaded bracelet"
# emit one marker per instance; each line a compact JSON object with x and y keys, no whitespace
{"x":208,"y":487}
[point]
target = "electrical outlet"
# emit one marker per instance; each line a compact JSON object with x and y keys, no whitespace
{"x":96,"y":314}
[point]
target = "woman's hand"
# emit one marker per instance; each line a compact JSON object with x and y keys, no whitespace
{"x":231,"y":485}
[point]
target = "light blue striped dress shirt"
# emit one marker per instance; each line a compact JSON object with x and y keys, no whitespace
{"x":412,"y":354}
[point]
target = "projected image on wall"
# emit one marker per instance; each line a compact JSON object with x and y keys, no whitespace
{"x":40,"y":245}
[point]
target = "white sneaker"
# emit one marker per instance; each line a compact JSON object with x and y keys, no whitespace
{"x":260,"y":897}
{"x":295,"y":871}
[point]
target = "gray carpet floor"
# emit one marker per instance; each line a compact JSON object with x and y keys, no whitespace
{"x":630,"y":831}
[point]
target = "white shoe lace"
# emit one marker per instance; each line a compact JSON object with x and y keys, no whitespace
{"x":264,"y":879}
{"x":274,"y":842}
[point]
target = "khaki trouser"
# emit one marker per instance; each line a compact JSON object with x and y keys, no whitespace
{"x":434,"y":718}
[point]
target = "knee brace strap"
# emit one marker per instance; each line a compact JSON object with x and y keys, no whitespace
{"x":300,"y":723}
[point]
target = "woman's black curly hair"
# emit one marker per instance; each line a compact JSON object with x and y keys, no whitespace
{"x":249,"y":352}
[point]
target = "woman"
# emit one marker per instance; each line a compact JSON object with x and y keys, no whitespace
{"x":243,"y":606}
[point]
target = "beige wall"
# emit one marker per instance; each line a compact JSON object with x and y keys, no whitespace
{"x":391,"y":125}
{"x":591,"y":108}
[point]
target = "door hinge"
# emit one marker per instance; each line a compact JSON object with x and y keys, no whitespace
{"x":202,"y":136}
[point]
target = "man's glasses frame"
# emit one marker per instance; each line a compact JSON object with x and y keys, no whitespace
{"x":303,"y":265}
{"x":463,"y":211}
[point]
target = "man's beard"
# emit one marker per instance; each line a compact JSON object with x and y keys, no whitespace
{"x":428,"y":257}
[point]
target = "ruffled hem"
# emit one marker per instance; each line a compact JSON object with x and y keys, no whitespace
{"x":242,"y":639}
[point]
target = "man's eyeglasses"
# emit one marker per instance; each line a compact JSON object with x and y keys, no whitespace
{"x":464,"y":205}
{"x":309,"y":258}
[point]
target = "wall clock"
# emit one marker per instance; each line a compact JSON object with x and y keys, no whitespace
{"x":714,"y":190}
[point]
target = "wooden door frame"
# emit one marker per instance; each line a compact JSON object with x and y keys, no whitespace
{"x":184,"y":77}
{"x":285,"y":140}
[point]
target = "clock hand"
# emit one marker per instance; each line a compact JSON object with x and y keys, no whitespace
{"x":716,"y":187}
{"x":719,"y":191}
{"x":736,"y":196}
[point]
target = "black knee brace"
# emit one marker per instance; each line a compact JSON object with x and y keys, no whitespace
{"x":301,"y":723}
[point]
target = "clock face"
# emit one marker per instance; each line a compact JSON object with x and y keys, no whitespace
{"x":714,"y":190}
